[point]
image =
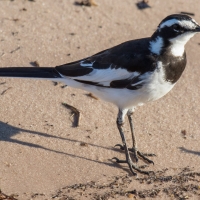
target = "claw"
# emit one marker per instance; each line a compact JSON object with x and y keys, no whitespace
{"x":132,"y":166}
{"x":141,"y":155}
{"x":120,"y":146}
{"x":144,"y":158}
{"x":116,"y":159}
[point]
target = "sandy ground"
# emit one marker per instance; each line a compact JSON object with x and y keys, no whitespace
{"x":42,"y":154}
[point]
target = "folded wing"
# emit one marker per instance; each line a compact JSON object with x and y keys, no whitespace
{"x":117,"y":67}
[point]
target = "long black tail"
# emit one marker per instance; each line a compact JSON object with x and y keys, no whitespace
{"x":29,"y":72}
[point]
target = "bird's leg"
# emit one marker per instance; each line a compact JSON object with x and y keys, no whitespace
{"x":134,"y":149}
{"x":120,"y":121}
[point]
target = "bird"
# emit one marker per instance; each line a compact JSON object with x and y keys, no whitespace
{"x":128,"y":75}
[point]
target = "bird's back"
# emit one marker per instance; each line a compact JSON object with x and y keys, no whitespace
{"x":132,"y":56}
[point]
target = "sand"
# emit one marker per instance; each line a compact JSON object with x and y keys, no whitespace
{"x":41,"y":151}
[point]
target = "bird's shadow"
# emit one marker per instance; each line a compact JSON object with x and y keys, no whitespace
{"x":7,"y":132}
{"x":183,"y":149}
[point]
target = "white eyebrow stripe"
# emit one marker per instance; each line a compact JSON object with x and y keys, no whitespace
{"x":168,"y":23}
{"x":183,"y":23}
{"x":189,"y":24}
{"x":195,"y":22}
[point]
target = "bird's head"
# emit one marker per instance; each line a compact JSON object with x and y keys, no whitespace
{"x":174,"y":32}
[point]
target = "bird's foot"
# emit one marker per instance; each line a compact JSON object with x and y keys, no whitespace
{"x":133,"y":166}
{"x":137,"y":154}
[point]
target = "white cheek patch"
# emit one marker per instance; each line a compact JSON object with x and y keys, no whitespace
{"x":178,"y":43}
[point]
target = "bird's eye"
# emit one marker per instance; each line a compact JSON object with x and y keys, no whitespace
{"x":177,"y":28}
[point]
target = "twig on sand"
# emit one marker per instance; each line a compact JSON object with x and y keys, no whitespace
{"x":4,"y":92}
{"x":15,"y":50}
{"x":86,"y":3}
{"x":75,"y":112}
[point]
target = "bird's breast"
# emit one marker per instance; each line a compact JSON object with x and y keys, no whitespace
{"x":168,"y":70}
{"x":156,"y":85}
{"x":173,"y":67}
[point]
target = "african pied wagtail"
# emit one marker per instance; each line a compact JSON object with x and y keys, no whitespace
{"x":128,"y":75}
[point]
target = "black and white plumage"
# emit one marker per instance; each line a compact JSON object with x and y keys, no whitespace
{"x":127,"y":75}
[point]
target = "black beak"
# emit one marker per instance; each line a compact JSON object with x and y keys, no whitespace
{"x":197,"y":29}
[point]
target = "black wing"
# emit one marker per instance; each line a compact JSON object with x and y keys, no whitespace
{"x":117,"y":67}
